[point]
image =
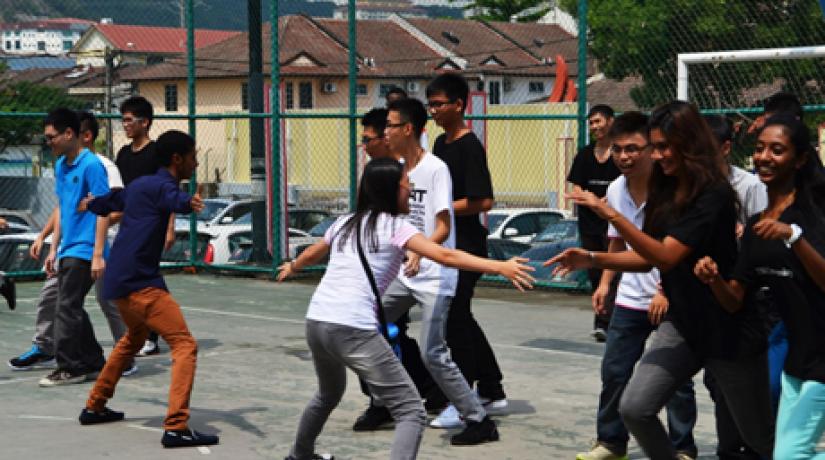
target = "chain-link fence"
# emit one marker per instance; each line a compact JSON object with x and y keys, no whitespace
{"x":278,"y":140}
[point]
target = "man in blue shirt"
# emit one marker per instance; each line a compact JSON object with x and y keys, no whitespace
{"x":82,"y":247}
{"x":134,"y":282}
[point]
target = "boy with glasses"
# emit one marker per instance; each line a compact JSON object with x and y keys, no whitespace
{"x":472,"y":194}
{"x":639,"y":306}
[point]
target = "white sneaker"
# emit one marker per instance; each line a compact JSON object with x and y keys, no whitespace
{"x":130,"y":371}
{"x":149,"y":348}
{"x":497,"y":407}
{"x":448,"y":418}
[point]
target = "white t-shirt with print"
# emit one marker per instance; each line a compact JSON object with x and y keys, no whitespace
{"x":636,"y":290}
{"x":431,"y":191}
{"x":344,"y":295}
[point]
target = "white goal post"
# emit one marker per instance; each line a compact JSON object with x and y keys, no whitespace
{"x":766,"y":54}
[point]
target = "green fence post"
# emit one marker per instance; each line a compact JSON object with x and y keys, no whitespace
{"x":353,"y":126}
{"x":275,"y":128}
{"x":582,"y":79}
{"x":190,"y":95}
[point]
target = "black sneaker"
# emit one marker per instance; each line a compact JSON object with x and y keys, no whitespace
{"x":374,"y":418}
{"x":476,"y":433}
{"x":9,"y":291}
{"x":59,"y":377}
{"x":32,"y":358}
{"x":314,"y":457}
{"x":187,"y":438}
{"x":88,"y":417}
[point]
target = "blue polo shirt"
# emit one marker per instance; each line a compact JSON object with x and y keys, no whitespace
{"x":147,"y":202}
{"x":74,"y":181}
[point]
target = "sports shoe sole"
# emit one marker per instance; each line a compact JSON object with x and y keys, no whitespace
{"x":46,"y":383}
{"x":49,"y":364}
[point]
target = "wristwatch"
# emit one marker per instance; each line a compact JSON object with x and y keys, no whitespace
{"x":796,"y":232}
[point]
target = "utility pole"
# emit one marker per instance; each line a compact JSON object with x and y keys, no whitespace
{"x":256,"y":131}
{"x":109,"y":58}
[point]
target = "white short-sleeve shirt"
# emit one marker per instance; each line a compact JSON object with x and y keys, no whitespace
{"x":431,"y":191}
{"x":344,"y":295}
{"x":113,"y":174}
{"x":636,"y":290}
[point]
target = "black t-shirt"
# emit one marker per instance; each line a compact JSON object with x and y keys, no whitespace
{"x":467,"y":162}
{"x":592,"y":176}
{"x":708,"y":227}
{"x":799,"y":300}
{"x":136,"y":164}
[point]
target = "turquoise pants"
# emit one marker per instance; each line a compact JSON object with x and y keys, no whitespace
{"x":801,"y":419}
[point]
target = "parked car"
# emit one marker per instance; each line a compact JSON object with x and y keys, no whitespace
{"x":239,"y":245}
{"x":521,"y":225}
{"x":20,"y":219}
{"x":181,"y":249}
{"x":553,"y":240}
{"x":503,"y":249}
{"x":228,"y":211}
{"x":14,"y":253}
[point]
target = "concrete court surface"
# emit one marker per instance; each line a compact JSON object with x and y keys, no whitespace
{"x":254,"y":377}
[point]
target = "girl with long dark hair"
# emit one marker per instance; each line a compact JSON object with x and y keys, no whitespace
{"x":783,"y":248}
{"x":690,"y":213}
{"x":342,"y":326}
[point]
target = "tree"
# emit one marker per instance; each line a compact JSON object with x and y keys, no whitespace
{"x":642,"y":39}
{"x":28,"y":97}
{"x":503,"y":10}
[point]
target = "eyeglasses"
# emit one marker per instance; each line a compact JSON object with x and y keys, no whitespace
{"x":437,"y":104}
{"x":395,"y":125}
{"x":366,"y":139}
{"x":630,"y":149}
{"x":129,"y":121}
{"x":51,"y":137}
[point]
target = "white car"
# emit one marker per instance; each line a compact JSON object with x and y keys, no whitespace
{"x":521,"y":224}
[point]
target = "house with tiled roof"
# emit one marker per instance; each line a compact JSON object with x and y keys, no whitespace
{"x":53,"y":36}
{"x":140,"y":44}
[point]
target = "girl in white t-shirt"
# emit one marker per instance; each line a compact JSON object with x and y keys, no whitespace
{"x":342,"y":325}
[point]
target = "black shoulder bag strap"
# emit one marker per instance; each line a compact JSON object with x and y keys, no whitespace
{"x":381,"y":319}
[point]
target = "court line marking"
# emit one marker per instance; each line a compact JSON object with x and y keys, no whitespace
{"x":302,"y":322}
{"x":202,"y":449}
{"x":46,"y":417}
{"x":21,"y":379}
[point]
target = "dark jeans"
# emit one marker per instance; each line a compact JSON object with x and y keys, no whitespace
{"x":629,"y":330}
{"x":597,"y":243}
{"x":667,"y":364}
{"x":76,"y":348}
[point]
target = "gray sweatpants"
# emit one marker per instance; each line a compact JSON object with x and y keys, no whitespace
{"x":46,"y":304}
{"x":399,"y":299}
{"x":335,"y":347}
{"x":667,"y":364}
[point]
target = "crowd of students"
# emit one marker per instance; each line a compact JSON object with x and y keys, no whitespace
{"x":724,"y":268}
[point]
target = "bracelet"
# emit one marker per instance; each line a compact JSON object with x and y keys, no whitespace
{"x":796,"y":232}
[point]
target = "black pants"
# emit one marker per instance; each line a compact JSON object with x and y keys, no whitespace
{"x":468,"y":344}
{"x":76,"y":348}
{"x":597,"y":243}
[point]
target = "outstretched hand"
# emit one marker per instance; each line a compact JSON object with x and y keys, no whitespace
{"x":569,"y":260}
{"x":197,"y":202}
{"x":83,"y":204}
{"x":590,"y":200}
{"x":285,"y":271}
{"x":772,"y":229}
{"x":518,"y":272}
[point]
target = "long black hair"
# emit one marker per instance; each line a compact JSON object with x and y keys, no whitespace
{"x":377,"y":193}
{"x":690,"y":139}
{"x":809,"y":180}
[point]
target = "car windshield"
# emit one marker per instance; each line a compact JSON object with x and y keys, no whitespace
{"x":321,"y":227}
{"x":210,"y":210}
{"x":559,"y":231}
{"x":494,"y":221}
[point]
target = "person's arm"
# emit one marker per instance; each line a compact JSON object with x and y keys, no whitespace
{"x":812,"y":260}
{"x":439,"y":236}
{"x":311,"y":256}
{"x":615,"y":245}
{"x":98,"y":263}
{"x":170,"y":233}
{"x":37,"y":244}
{"x":51,"y":258}
{"x":730,"y":294}
{"x":664,"y":254}
{"x":470,"y":206}
{"x":578,"y":258}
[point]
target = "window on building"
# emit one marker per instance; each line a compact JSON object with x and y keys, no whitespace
{"x":41,"y":46}
{"x":244,"y":96}
{"x":385,"y":88}
{"x":67,"y":33}
{"x":8,"y":45}
{"x":289,"y":90}
{"x":536,"y":87}
{"x":17,"y":44}
{"x":67,"y":45}
{"x":305,"y":95}
{"x":361,"y":89}
{"x":494,"y":96}
{"x":170,"y":98}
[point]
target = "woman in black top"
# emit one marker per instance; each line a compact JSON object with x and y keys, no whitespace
{"x":690,"y":213}
{"x":783,"y":248}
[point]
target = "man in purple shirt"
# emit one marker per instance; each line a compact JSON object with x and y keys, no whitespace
{"x":133,"y":280}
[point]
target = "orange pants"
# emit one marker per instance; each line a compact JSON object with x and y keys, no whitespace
{"x":151,"y":308}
